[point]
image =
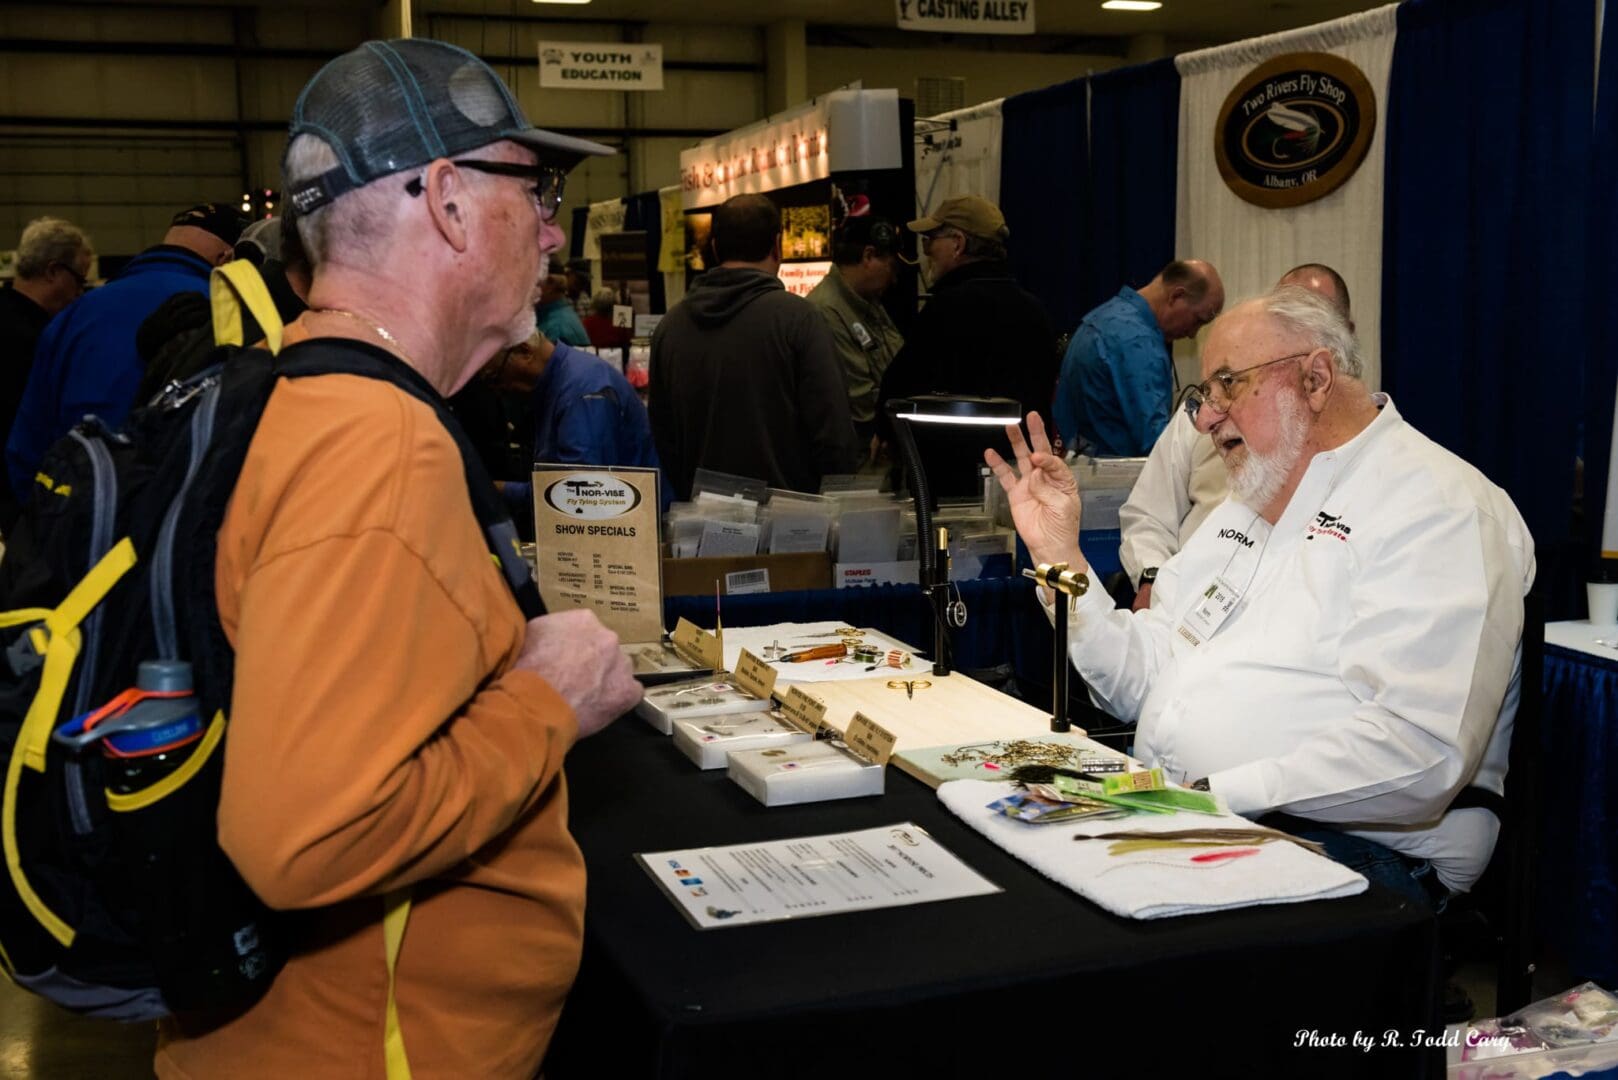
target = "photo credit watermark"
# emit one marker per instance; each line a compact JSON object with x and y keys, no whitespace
{"x":1394,"y":1039}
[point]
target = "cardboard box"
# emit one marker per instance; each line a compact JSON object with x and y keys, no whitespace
{"x":697,"y":577}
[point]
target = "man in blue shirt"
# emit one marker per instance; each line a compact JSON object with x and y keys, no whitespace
{"x":1116,"y":388}
{"x":585,"y":413}
{"x":86,"y":362}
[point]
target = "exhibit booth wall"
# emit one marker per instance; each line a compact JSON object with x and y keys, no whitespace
{"x":1464,"y":234}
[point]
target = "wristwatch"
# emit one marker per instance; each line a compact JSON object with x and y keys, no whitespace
{"x":1148,"y":575}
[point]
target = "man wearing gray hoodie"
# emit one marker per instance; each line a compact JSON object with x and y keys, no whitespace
{"x":744,"y":376}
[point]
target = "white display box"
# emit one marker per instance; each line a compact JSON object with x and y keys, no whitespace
{"x":807,"y":772}
{"x":709,"y":742}
{"x":695,"y":699}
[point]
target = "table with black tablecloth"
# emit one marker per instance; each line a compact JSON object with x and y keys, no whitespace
{"x":1031,"y":979}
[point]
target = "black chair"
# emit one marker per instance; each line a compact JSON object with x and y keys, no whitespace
{"x":1497,"y":917}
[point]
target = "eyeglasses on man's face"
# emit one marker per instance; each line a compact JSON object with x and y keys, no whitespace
{"x":1222,"y":388}
{"x":79,"y":279}
{"x":547,"y":187}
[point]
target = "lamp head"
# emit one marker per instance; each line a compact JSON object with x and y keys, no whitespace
{"x":956,"y":410}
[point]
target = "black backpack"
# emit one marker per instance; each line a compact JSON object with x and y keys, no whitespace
{"x":116,"y":900}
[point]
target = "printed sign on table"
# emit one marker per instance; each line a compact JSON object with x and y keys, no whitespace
{"x":595,"y":537}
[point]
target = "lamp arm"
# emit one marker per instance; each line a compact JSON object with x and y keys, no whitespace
{"x":926,"y":546}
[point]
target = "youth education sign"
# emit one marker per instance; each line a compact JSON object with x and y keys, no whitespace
{"x":610,"y":65}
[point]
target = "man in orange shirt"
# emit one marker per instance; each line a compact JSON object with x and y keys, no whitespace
{"x":397,"y":724}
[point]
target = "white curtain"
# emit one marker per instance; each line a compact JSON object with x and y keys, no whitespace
{"x":1252,"y":246}
{"x":965,"y":161}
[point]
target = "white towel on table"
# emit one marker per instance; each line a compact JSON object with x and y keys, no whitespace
{"x":1152,"y":884}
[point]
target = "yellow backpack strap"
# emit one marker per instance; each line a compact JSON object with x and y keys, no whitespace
{"x":61,"y":648}
{"x":395,"y":913}
{"x":237,"y":286}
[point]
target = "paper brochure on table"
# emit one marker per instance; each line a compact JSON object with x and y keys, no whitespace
{"x":889,"y":866}
{"x":772,"y":641}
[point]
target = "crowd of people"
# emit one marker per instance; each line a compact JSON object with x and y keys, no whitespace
{"x":1326,"y":630}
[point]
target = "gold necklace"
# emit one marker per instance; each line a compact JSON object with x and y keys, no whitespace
{"x":380,"y":331}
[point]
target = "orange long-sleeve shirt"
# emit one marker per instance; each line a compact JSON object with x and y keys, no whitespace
{"x":379,"y":738}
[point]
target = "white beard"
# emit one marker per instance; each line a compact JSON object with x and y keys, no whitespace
{"x":523,"y":327}
{"x":1258,"y":478}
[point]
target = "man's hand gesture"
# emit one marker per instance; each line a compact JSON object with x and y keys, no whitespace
{"x":1044,"y":499}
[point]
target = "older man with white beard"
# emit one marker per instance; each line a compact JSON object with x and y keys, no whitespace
{"x":1340,"y":642}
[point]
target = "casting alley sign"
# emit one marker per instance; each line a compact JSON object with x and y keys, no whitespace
{"x":611,"y":65}
{"x":967,"y":16}
{"x":1294,"y":129}
{"x":844,"y":130}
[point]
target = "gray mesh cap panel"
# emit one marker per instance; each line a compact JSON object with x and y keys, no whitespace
{"x":389,"y":106}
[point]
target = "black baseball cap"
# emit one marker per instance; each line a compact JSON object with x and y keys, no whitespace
{"x":389,"y":106}
{"x":221,"y":219}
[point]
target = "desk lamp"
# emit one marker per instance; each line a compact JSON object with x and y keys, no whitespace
{"x":932,"y":546}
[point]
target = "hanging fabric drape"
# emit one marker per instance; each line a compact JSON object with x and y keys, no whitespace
{"x":1044,"y":183}
{"x":1134,"y":150}
{"x":1251,"y":245}
{"x":1601,"y":359}
{"x":964,"y":160}
{"x":644,"y":212}
{"x":601,"y":217}
{"x":1484,"y":240}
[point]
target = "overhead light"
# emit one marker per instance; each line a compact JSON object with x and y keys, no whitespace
{"x":1130,"y":5}
{"x":561,"y":1}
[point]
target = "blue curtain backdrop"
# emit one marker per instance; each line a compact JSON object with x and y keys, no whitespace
{"x":1601,"y":360}
{"x":1135,"y":148}
{"x":1578,"y":851}
{"x":1044,"y":185}
{"x":1483,"y":327}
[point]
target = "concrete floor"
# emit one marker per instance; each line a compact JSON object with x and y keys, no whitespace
{"x":38,"y":1041}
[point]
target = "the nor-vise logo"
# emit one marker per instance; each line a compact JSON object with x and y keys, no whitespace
{"x":1331,"y":525}
{"x":592,"y":496}
{"x":1232,"y":534}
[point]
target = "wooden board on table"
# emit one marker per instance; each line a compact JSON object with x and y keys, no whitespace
{"x":955,"y":709}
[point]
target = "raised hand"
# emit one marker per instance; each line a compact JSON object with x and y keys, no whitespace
{"x":1044,"y":498}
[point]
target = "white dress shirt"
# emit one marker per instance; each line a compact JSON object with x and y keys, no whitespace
{"x":1369,"y":668}
{"x":1181,"y":483}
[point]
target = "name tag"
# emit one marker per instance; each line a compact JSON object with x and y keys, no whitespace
{"x":1210,"y":612}
{"x":862,"y":335}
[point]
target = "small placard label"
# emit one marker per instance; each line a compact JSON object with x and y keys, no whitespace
{"x":698,"y":646}
{"x":755,"y":676}
{"x":870,"y":740}
{"x":805,"y":713}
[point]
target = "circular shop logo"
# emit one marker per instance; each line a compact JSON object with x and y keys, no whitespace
{"x":592,"y":496}
{"x":1294,"y":129}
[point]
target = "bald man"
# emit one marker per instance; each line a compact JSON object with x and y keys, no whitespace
{"x":1184,"y":478}
{"x":1116,"y":388}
